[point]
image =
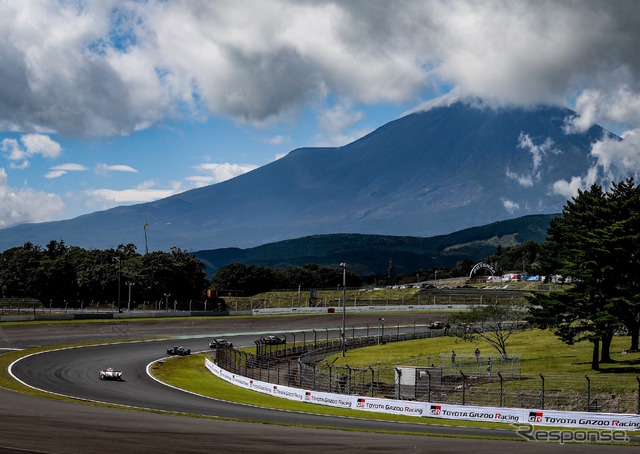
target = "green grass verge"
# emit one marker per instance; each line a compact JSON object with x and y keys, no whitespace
{"x":189,"y":373}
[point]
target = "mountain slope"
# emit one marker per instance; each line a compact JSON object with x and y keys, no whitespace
{"x":370,"y":254}
{"x":427,"y":173}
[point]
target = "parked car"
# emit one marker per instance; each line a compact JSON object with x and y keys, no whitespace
{"x":180,"y":350}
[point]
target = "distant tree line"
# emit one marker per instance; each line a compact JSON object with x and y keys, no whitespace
{"x":59,"y":274}
{"x":253,"y":279}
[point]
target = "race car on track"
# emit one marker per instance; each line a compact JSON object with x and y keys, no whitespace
{"x":110,"y":374}
{"x":219,"y":343}
{"x":178,"y":351}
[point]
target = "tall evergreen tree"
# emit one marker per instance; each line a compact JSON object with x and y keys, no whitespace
{"x":624,"y":244}
{"x":579,"y":240}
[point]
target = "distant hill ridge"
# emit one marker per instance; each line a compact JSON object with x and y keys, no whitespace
{"x":425,"y":174}
{"x":370,"y":254}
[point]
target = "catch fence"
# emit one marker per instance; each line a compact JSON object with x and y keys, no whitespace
{"x":482,"y":380}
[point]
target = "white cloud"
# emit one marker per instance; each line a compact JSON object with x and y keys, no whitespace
{"x":30,"y":145}
{"x":538,"y":152}
{"x":570,"y":188}
{"x":62,"y":169}
{"x":108,"y":68}
{"x":279,"y":140}
{"x":510,"y":205}
{"x":145,"y":192}
{"x":618,"y":159}
{"x":523,"y":180}
{"x":216,"y":173}
{"x":616,"y":107}
{"x":19,"y":206}
{"x":104,"y":169}
{"x":615,"y":159}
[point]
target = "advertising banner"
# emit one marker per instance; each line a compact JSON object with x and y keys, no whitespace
{"x":469,"y":413}
{"x":396,"y":407}
{"x":615,"y":421}
{"x":550,"y":418}
{"x":332,"y":400}
{"x":287,"y":392}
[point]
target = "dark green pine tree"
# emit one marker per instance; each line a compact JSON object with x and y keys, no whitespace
{"x":624,"y":238}
{"x":581,"y":254}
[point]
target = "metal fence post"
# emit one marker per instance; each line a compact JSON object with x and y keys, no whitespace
{"x":372,"y":375}
{"x":464,"y":387}
{"x":588,"y":392}
{"x":330,"y":377}
{"x":638,"y":379}
{"x":428,"y":385}
{"x":542,"y":395}
{"x":501,"y":388}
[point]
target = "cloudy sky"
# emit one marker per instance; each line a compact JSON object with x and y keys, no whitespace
{"x":105,"y":103}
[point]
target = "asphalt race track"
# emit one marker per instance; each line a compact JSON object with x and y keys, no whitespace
{"x":37,"y":424}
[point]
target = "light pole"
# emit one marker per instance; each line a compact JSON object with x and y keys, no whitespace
{"x":130,"y":284}
{"x":380,"y":323}
{"x":436,"y":279}
{"x":146,"y":244}
{"x":117,"y":259}
{"x":344,"y":305}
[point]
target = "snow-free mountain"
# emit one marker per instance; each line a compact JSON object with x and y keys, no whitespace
{"x":425,"y":174}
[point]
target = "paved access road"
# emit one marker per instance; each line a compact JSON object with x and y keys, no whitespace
{"x":33,"y":424}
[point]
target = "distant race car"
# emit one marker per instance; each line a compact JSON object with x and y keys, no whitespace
{"x":215,"y":343}
{"x":438,"y":325}
{"x":110,"y":374}
{"x":273,"y":340}
{"x":178,"y":351}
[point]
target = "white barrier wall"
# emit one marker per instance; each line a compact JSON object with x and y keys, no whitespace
{"x":614,"y":421}
{"x":338,"y":309}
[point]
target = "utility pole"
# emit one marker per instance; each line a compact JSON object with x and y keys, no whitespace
{"x":130,"y":284}
{"x":119,"y":276}
{"x":146,"y":244}
{"x":344,"y":305}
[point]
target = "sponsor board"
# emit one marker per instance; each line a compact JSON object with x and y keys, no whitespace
{"x":616,"y":421}
{"x":508,"y":415}
{"x":287,"y":392}
{"x":213,"y":367}
{"x":396,"y":407}
{"x":551,"y":418}
{"x":329,"y":399}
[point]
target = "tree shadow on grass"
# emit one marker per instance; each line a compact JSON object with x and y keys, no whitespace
{"x":630,"y":366}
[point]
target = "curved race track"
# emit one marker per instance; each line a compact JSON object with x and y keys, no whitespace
{"x":32,"y":424}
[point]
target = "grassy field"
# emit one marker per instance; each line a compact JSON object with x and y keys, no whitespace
{"x":563,"y":366}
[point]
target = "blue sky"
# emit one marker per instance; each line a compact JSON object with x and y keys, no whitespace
{"x":107,"y":102}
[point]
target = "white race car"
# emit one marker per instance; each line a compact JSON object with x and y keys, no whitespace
{"x":110,"y":374}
